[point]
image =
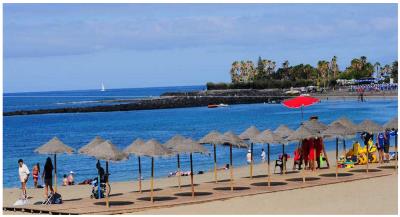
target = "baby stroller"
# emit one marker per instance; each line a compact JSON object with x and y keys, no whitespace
{"x":95,"y":191}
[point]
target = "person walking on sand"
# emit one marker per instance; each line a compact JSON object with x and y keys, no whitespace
{"x":263,"y":155}
{"x":47,"y":176}
{"x":23,"y":172}
{"x":35,"y":174}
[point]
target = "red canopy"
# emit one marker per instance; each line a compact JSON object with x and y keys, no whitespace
{"x":300,"y":101}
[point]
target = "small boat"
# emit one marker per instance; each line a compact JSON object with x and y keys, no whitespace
{"x":217,"y":105}
{"x":102,"y":87}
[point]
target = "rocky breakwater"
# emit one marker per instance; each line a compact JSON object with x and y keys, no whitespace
{"x":173,"y":100}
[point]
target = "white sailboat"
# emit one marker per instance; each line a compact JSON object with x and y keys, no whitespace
{"x":102,"y":87}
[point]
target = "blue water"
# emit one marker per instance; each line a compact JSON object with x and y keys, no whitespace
{"x":22,"y":134}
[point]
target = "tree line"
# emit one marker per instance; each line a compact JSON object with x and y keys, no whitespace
{"x":245,"y":74}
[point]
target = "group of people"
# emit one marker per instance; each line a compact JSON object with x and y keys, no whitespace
{"x":47,"y":176}
{"x":373,"y":87}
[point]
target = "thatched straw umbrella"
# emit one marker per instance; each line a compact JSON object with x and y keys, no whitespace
{"x":248,"y":134}
{"x":393,"y":124}
{"x":95,"y":141}
{"x":214,"y":138}
{"x":188,"y":146}
{"x":302,"y":133}
{"x":153,"y":148}
{"x":108,"y":152}
{"x":352,"y":128}
{"x":54,"y":146}
{"x":369,"y":127}
{"x":174,"y":141}
{"x":231,"y":139}
{"x":283,"y":132}
{"x":267,"y":137}
{"x":336,"y":129}
{"x":134,"y":148}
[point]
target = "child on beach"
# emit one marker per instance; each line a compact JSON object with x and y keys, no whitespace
{"x":23,"y":172}
{"x":65,"y":180}
{"x":248,"y":156}
{"x":35,"y":174}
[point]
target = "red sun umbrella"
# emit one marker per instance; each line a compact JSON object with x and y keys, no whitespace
{"x":300,"y":102}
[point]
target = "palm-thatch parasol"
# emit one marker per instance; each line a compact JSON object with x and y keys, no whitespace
{"x":214,"y":138}
{"x":336,"y":129}
{"x":267,"y":137}
{"x":134,"y":148}
{"x":109,"y":152}
{"x":283,"y":131}
{"x":249,"y":134}
{"x":231,"y":139}
{"x":351,"y":127}
{"x":153,"y":148}
{"x":170,"y":144}
{"x":392,"y":124}
{"x":95,"y":141}
{"x":54,"y":146}
{"x":189,"y":146}
{"x":315,"y":125}
{"x":370,"y":127}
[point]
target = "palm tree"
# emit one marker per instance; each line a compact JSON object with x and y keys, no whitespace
{"x":323,"y":67}
{"x":334,"y":68}
{"x":235,"y":72}
{"x":377,"y":66}
{"x":363,"y":60}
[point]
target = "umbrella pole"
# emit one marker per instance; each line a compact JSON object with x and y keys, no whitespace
{"x":301,"y":113}
{"x":215,"y":163}
{"x":367,"y":156}
{"x":107,"y":202}
{"x":98,"y":185}
{"x":179,"y":171}
{"x":395,"y":152}
{"x":251,"y":161}
{"x":191,"y":173}
{"x":231,"y":166}
{"x":344,"y":146}
{"x":55,"y":172}
{"x":283,"y":160}
{"x":152,"y":180}
{"x":140,"y":175}
{"x":269,"y":174}
{"x":304,"y":168}
{"x":337,"y":153}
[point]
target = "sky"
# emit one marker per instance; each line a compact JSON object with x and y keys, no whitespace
{"x":50,"y":47}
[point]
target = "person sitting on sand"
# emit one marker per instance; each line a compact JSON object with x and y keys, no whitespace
{"x":65,"y":180}
{"x":86,"y":182}
{"x":226,"y":167}
{"x":248,"y":156}
{"x":71,"y":178}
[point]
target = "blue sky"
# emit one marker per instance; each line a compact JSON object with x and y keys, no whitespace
{"x":78,"y":46}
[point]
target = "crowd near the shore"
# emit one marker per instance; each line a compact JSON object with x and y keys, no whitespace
{"x":373,"y":87}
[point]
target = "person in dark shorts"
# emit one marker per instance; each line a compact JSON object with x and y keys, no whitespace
{"x":380,"y":145}
{"x":386,"y":145}
{"x":47,"y":176}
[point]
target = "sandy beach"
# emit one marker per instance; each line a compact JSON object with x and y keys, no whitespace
{"x":349,"y":196}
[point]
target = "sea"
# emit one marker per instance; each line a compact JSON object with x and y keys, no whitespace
{"x":23,"y":134}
